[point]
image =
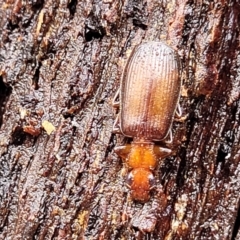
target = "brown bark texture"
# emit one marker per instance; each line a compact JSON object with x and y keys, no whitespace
{"x":60,"y":66}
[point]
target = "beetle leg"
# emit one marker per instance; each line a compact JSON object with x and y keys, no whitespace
{"x":116,"y":128}
{"x":169,"y":137}
{"x":178,"y":111}
{"x":115,"y":101}
{"x":123,"y":151}
{"x":162,"y":152}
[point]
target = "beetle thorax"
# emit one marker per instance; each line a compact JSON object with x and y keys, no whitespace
{"x":142,"y":155}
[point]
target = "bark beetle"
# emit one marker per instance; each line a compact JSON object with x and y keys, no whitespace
{"x":60,"y":62}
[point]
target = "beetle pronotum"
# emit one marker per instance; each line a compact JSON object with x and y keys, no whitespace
{"x":149,"y":94}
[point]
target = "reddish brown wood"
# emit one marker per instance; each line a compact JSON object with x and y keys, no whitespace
{"x":61,"y":62}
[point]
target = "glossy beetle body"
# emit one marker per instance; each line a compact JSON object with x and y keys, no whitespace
{"x":149,"y":91}
{"x":149,"y":94}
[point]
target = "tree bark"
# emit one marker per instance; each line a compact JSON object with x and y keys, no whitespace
{"x":60,"y":66}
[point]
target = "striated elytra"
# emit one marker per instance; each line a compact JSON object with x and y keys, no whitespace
{"x":149,"y":94}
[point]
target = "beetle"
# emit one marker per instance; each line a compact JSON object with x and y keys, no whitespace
{"x":148,"y":100}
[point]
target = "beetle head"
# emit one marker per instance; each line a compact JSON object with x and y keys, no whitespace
{"x":140,"y":181}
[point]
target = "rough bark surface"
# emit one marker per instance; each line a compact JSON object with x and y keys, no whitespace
{"x":60,"y":66}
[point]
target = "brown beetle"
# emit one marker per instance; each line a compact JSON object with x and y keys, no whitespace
{"x":149,"y":94}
